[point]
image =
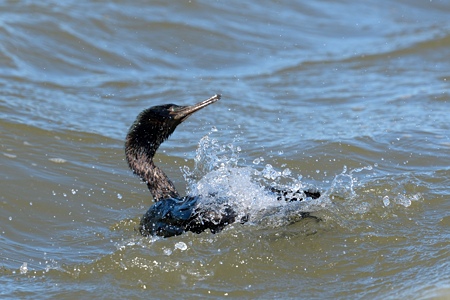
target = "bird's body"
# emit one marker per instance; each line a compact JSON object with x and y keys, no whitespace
{"x":172,"y":214}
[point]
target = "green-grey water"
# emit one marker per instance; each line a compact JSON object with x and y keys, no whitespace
{"x":349,"y":98}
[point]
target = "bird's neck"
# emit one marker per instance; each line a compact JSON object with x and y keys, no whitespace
{"x":160,"y":186}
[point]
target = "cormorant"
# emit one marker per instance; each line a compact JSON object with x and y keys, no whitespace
{"x":172,"y":214}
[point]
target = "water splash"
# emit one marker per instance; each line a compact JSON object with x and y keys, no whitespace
{"x":219,"y":175}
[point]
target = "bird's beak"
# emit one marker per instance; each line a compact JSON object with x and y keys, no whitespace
{"x":182,"y":112}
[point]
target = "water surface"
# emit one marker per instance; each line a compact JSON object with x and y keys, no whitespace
{"x":349,"y":98}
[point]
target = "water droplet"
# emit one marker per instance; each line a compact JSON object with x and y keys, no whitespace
{"x":119,"y":196}
{"x":270,"y":173}
{"x":10,"y":218}
{"x":256,"y":161}
{"x":24,"y":268}
{"x":403,"y":200}
{"x":386,"y":200}
{"x":180,"y":245}
{"x":286,"y":172}
{"x":214,"y":129}
{"x":186,"y":170}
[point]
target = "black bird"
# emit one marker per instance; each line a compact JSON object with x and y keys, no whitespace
{"x":172,"y":214}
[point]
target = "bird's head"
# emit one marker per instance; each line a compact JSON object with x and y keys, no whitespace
{"x":155,"y":124}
